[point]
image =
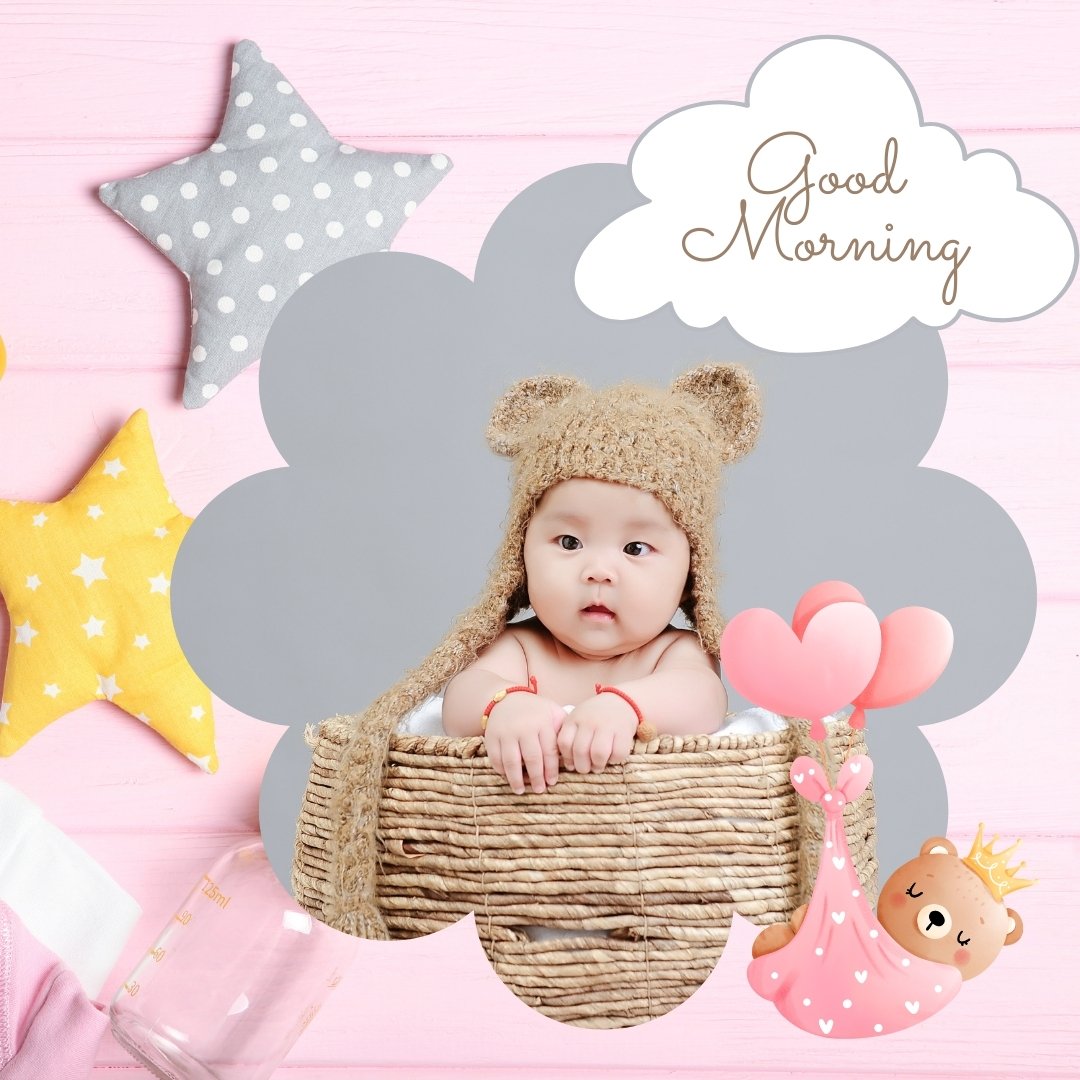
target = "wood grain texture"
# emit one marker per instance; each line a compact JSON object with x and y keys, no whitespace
{"x":50,"y":215}
{"x":96,"y":325}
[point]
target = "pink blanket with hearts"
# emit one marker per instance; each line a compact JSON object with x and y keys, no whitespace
{"x":843,"y":976}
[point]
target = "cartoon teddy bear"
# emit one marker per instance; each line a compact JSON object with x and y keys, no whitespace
{"x":940,"y":907}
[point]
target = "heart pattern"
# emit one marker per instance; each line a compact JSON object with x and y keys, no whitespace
{"x":841,"y":938}
{"x":820,"y":596}
{"x":811,"y":675}
{"x":916,"y":644}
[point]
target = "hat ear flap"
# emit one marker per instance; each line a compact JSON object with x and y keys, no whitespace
{"x":733,"y":401}
{"x":521,"y":405}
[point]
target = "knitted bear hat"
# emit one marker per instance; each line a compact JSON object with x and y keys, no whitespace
{"x":670,"y":443}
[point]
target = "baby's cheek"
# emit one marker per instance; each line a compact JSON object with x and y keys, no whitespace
{"x":897,"y":899}
{"x":961,"y":958}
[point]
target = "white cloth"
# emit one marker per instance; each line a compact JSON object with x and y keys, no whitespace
{"x":63,"y":897}
{"x":426,"y":719}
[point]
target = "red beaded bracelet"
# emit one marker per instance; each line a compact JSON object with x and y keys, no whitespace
{"x":530,"y":689}
{"x":645,"y":731}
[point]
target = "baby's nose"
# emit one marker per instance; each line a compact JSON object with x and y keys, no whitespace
{"x":600,"y":570}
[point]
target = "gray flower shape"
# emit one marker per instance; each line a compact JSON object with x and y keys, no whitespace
{"x":308,"y":590}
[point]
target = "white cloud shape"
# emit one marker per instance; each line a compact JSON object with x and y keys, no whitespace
{"x":823,"y":214}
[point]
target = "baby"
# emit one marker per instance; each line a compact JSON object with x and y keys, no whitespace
{"x":611,"y":526}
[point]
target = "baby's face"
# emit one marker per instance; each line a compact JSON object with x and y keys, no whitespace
{"x":606,"y":566}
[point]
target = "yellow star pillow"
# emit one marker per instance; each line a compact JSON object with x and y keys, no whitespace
{"x":86,"y":581}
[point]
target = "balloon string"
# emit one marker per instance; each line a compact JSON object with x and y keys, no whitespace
{"x":820,"y":734}
{"x":857,"y":722}
{"x":825,"y":758}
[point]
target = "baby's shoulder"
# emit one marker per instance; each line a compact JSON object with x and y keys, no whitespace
{"x":679,"y":646}
{"x":530,"y":633}
{"x":678,"y":637}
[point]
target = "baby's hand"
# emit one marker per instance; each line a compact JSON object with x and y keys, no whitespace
{"x":600,"y":730}
{"x":521,"y":735}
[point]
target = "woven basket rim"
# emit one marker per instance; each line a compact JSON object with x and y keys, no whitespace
{"x":337,"y":729}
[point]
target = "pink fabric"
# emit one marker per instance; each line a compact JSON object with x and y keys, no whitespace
{"x":843,"y":976}
{"x":48,"y":1027}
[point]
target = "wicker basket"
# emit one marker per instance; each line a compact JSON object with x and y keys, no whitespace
{"x":641,"y":866}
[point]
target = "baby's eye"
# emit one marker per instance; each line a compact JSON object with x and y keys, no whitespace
{"x":568,"y":543}
{"x":961,"y":940}
{"x":637,"y":547}
{"x":913,"y":895}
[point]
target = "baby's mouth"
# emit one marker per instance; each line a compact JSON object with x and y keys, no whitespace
{"x":599,"y":612}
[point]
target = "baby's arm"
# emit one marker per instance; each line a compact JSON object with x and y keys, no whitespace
{"x":500,"y":665}
{"x":522,"y":727}
{"x":682,"y":696}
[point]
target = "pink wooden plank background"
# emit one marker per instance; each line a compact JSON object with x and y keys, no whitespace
{"x":95,"y":324}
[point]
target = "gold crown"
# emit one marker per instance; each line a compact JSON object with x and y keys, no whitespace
{"x":990,"y":866}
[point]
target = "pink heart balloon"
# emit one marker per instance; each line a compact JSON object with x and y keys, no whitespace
{"x":916,"y":644}
{"x":768,"y":663}
{"x":820,"y":596}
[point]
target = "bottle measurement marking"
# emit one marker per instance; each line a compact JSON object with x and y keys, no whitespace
{"x":214,"y":894}
{"x":183,"y":917}
{"x":132,"y":987}
{"x":158,"y":954}
{"x":308,"y":1015}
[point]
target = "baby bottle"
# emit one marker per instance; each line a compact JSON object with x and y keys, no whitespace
{"x":233,"y":979}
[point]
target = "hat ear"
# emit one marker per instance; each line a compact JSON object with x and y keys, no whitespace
{"x":521,"y":405}
{"x":732,"y":399}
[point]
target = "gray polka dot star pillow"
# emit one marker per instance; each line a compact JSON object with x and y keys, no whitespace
{"x":275,"y":199}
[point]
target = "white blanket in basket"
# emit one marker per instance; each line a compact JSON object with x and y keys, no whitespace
{"x":426,"y":719}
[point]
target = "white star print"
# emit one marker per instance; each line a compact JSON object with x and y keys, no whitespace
{"x":25,"y":634}
{"x":4,"y":707}
{"x":114,"y":467}
{"x":160,"y":532}
{"x":141,"y":641}
{"x":202,"y":762}
{"x":143,"y":717}
{"x":159,"y":584}
{"x":90,"y":570}
{"x":94,"y":512}
{"x":40,"y":519}
{"x":52,"y":690}
{"x":94,"y":627}
{"x":32,"y":582}
{"x":197,"y":712}
{"x":107,"y":687}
